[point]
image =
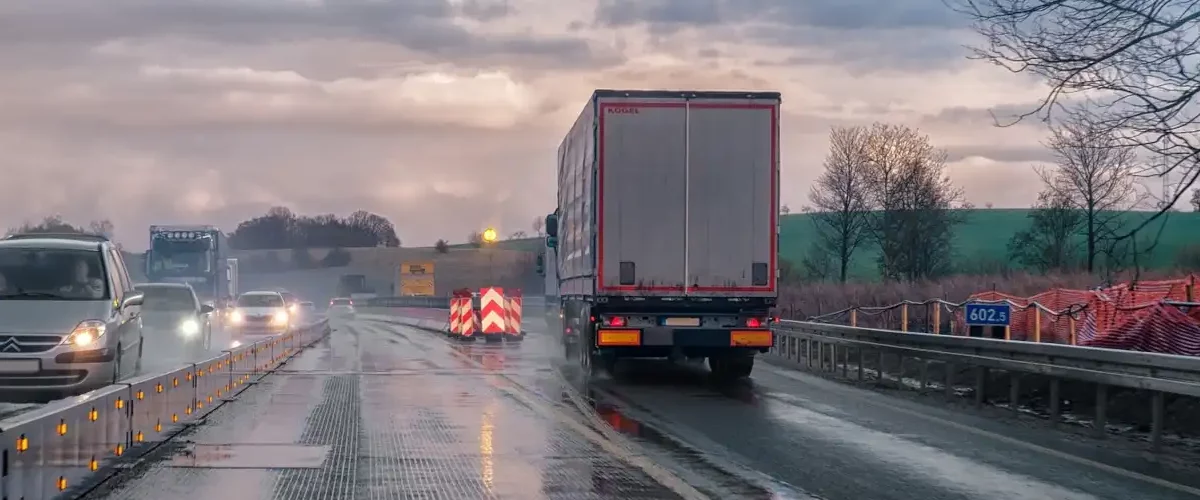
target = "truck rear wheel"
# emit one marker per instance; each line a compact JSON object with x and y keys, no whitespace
{"x":731,"y":366}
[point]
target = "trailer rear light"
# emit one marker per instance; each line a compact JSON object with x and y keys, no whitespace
{"x":754,"y":323}
{"x":616,"y":321}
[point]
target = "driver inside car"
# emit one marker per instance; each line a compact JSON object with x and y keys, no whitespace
{"x":83,"y":286}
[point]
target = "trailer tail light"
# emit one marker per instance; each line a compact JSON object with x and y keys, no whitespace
{"x":615,"y":321}
{"x":754,"y":323}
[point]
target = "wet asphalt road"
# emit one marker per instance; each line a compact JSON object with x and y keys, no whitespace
{"x":378,"y":411}
{"x":382,"y":410}
{"x":789,"y":434}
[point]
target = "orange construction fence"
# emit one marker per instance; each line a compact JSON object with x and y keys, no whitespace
{"x":1079,"y":316}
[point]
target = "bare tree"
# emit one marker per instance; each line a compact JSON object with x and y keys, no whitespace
{"x":1128,"y":61}
{"x":784,"y":210}
{"x":539,"y":223}
{"x":1051,"y":241}
{"x":101,"y":227}
{"x":1095,"y":174}
{"x":1196,"y":200}
{"x":518,"y":235}
{"x":842,"y":215}
{"x":913,"y":202}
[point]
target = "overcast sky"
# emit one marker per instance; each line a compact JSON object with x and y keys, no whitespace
{"x":444,"y":115}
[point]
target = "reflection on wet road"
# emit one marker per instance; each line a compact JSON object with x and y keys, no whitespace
{"x":787,"y":434}
{"x":377,"y":411}
{"x":382,"y":410}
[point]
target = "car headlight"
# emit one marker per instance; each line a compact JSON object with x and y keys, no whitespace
{"x":293,"y":308}
{"x":85,"y":334}
{"x":235,"y":344}
{"x":280,"y":318}
{"x":189,"y":327}
{"x":235,"y":316}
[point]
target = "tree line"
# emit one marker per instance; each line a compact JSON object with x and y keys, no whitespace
{"x":57,"y":225}
{"x":1117,"y":91}
{"x":1120,"y":108}
{"x":884,"y":187}
{"x":280,"y":228}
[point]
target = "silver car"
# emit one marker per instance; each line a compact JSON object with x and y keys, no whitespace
{"x":341,"y":307}
{"x":174,"y":319}
{"x":258,"y":314}
{"x":69,"y":316}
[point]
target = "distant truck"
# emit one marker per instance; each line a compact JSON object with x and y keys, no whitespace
{"x":354,"y":286}
{"x":193,"y":254}
{"x":665,"y":236}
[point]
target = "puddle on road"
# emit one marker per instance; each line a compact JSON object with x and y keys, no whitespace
{"x":689,"y":458}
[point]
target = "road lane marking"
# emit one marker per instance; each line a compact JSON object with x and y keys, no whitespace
{"x":521,"y":393}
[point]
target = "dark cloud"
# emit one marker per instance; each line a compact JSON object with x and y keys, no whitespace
{"x":864,"y":34}
{"x":846,"y":15}
{"x":443,"y":115}
{"x":427,"y":26}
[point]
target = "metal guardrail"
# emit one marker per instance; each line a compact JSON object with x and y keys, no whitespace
{"x":70,"y":445}
{"x":820,"y":344}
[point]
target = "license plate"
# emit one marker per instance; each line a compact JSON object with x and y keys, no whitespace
{"x":20,"y":366}
{"x":682,"y":322}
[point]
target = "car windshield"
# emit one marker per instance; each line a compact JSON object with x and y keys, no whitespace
{"x":340,"y":302}
{"x":167,"y":298}
{"x":263,"y":300}
{"x":52,"y":274}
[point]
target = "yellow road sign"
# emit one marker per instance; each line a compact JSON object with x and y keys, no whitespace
{"x":417,"y":286}
{"x":416,"y":268}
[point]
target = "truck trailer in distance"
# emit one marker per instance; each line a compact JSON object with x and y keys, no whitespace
{"x":666,"y":230}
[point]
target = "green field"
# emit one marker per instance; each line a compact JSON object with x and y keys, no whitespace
{"x":983,"y":239}
{"x":980,"y":242}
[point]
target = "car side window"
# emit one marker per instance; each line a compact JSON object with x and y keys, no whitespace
{"x":119,"y":274}
{"x":113,"y":278}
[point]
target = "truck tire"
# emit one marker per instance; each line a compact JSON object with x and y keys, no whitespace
{"x":731,"y":366}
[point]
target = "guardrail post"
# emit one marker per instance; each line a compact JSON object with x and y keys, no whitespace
{"x":904,"y":318}
{"x":1071,"y":328}
{"x":854,"y":317}
{"x":862,"y":358}
{"x":981,"y":375}
{"x":948,"y":384}
{"x":1014,"y":392}
{"x":937,"y":318}
{"x":1037,"y":324}
{"x":1157,"y":408}
{"x":1055,"y":401}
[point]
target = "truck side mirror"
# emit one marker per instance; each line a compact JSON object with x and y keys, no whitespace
{"x":552,"y":225}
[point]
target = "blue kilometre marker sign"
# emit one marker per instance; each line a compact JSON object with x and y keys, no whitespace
{"x":988,"y":314}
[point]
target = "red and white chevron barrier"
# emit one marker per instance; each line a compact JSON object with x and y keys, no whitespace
{"x":462,"y":315}
{"x":512,"y":324}
{"x":492,"y":312}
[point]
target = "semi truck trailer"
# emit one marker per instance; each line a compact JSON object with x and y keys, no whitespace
{"x":665,"y":235}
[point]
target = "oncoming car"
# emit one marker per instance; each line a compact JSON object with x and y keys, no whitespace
{"x":174,"y":318}
{"x":341,"y":307}
{"x":68,"y":316}
{"x":258,"y":313}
